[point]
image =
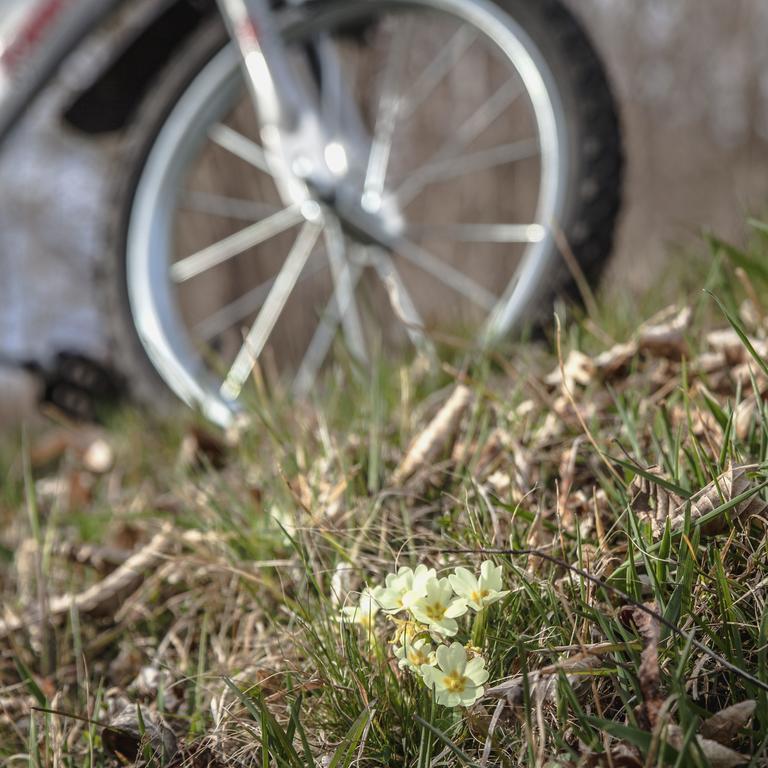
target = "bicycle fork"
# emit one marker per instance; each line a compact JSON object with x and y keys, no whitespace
{"x":307,"y":159}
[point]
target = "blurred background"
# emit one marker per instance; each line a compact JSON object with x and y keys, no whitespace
{"x":691,"y":78}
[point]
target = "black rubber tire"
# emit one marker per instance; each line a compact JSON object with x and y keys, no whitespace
{"x":594,"y":185}
{"x":143,"y":383}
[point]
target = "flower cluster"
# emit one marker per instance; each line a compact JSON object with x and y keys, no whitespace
{"x":426,"y":611}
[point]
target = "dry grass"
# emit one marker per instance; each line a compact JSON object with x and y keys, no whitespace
{"x":201,"y":582}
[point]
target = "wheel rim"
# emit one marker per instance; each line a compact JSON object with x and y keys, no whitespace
{"x":154,"y":276}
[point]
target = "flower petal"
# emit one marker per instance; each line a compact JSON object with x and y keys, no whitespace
{"x":447,"y":627}
{"x":463,"y":581}
{"x":490,"y":575}
{"x":455,"y":609}
{"x":495,"y":597}
{"x":456,"y":658}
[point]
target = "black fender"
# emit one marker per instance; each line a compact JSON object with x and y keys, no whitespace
{"x":109,"y":99}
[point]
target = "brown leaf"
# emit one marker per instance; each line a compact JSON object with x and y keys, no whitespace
{"x":708,"y":362}
{"x":542,"y":683}
{"x":652,"y":502}
{"x":436,"y":439}
{"x":717,"y":755}
{"x":649,"y":675}
{"x":619,"y":755}
{"x":744,"y":416}
{"x":567,"y":473}
{"x":724,"y":725}
{"x":123,"y":738}
{"x":201,"y":448}
{"x":616,"y":359}
{"x":664,"y":334}
{"x":729,"y":343}
{"x":578,"y":368}
{"x":732,"y":483}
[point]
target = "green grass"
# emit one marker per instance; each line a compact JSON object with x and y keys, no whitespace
{"x":235,"y":639}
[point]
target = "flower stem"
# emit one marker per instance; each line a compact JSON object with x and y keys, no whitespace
{"x":478,"y":628}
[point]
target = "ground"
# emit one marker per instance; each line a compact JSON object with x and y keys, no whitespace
{"x":174,"y":596}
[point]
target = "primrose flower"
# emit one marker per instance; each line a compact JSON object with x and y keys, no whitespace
{"x":364,"y":613}
{"x":482,"y":592}
{"x":437,"y":607}
{"x":456,"y":681}
{"x":404,"y":587}
{"x":414,"y":654}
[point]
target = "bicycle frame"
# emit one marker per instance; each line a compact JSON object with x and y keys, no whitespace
{"x":293,"y":129}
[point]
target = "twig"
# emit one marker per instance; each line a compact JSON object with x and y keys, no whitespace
{"x":122,"y":581}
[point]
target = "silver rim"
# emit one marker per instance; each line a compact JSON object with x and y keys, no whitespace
{"x":154,"y":275}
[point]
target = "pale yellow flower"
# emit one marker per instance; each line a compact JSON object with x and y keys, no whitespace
{"x":414,"y":654}
{"x":404,"y":587}
{"x":455,"y":680}
{"x":438,"y":608}
{"x":479,"y":593}
{"x":364,"y":613}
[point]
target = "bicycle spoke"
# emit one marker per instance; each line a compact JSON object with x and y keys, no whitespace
{"x":481,"y":118}
{"x":226,"y":207}
{"x":231,"y":246}
{"x":239,"y":145}
{"x":449,"y":168}
{"x":437,"y":69}
{"x":445,"y":273}
{"x":267,"y":318}
{"x":230,"y":314}
{"x":480,"y":233}
{"x":386,"y":118}
{"x":335,"y":312}
{"x":401,"y":301}
{"x":344,"y":289}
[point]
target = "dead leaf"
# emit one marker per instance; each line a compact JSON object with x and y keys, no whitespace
{"x":708,"y":362}
{"x":729,"y":343}
{"x":732,"y":483}
{"x":717,"y":755}
{"x":567,"y":472}
{"x":542,"y":683}
{"x":649,"y":675}
{"x":616,"y":359}
{"x":578,"y":368}
{"x":724,"y":725}
{"x":664,"y":334}
{"x":652,"y":502}
{"x":436,"y":439}
{"x":123,"y":738}
{"x":200,"y":448}
{"x":619,"y":755}
{"x":490,"y":454}
{"x":744,"y":416}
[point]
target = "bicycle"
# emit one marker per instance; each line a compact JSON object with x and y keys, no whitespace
{"x":417,"y":160}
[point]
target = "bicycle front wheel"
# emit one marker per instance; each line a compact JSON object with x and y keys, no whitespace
{"x":488,"y":129}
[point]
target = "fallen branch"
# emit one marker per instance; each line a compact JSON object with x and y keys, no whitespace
{"x":103,"y":596}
